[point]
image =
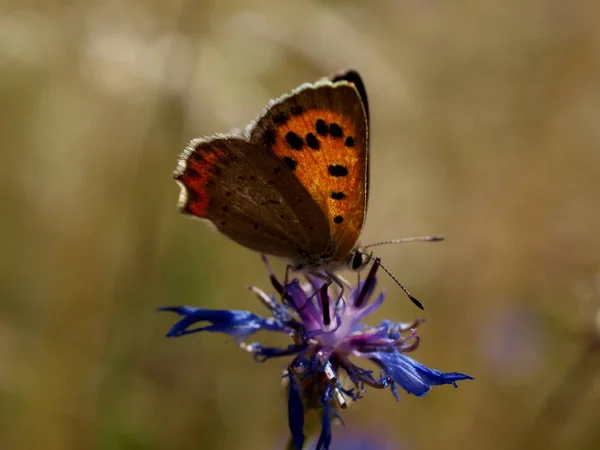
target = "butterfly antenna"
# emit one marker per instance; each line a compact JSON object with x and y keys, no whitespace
{"x":405,"y":240}
{"x":408,"y":294}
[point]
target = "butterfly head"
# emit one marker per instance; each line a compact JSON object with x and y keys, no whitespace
{"x":358,"y":259}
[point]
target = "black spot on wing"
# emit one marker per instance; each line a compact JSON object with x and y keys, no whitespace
{"x":294,"y":141}
{"x":269,"y":138}
{"x":291,"y":162}
{"x":321,"y":127}
{"x":190,"y":172}
{"x":312,"y":141}
{"x":337,"y":170}
{"x":280,"y":118}
{"x":193,"y":196}
{"x":335,"y":130}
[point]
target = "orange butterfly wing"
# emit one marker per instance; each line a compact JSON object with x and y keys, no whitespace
{"x":321,"y":132}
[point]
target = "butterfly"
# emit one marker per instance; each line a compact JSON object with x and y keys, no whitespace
{"x":294,"y":182}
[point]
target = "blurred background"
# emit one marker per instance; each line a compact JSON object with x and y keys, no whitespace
{"x":484,"y":129}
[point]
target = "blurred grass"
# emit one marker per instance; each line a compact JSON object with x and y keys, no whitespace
{"x":484,"y":128}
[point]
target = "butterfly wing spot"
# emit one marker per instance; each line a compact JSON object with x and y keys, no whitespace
{"x":224,"y":208}
{"x":192,"y":173}
{"x":276,"y":170}
{"x":294,"y":141}
{"x":312,"y":141}
{"x":195,"y":203}
{"x":338,"y":219}
{"x":280,"y":119}
{"x":269,"y":138}
{"x":321,"y":127}
{"x":335,"y":130}
{"x":228,"y":194}
{"x":337,"y":195}
{"x":337,"y":170}
{"x":349,"y":142}
{"x":223,"y":223}
{"x":291,"y":162}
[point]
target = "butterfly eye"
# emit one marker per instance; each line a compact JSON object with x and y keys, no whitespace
{"x":357,"y":260}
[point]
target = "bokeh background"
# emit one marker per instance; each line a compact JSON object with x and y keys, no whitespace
{"x":484,"y":129}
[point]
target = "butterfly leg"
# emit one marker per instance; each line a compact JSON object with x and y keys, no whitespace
{"x":339,"y":280}
{"x":280,"y":288}
{"x":286,"y":280}
{"x":274,"y":281}
{"x":333,"y":278}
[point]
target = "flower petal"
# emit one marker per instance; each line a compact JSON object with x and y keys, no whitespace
{"x":372,"y":307}
{"x":412,"y":376}
{"x":325,"y":436}
{"x":362,"y":292}
{"x":305,"y":307}
{"x":316,"y":283}
{"x":261,"y":354}
{"x":295,"y":413}
{"x":236,"y":323}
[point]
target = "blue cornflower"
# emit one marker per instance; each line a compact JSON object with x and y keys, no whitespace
{"x":326,"y":331}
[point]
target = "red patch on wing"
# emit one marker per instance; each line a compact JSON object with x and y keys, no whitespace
{"x":200,"y":168}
